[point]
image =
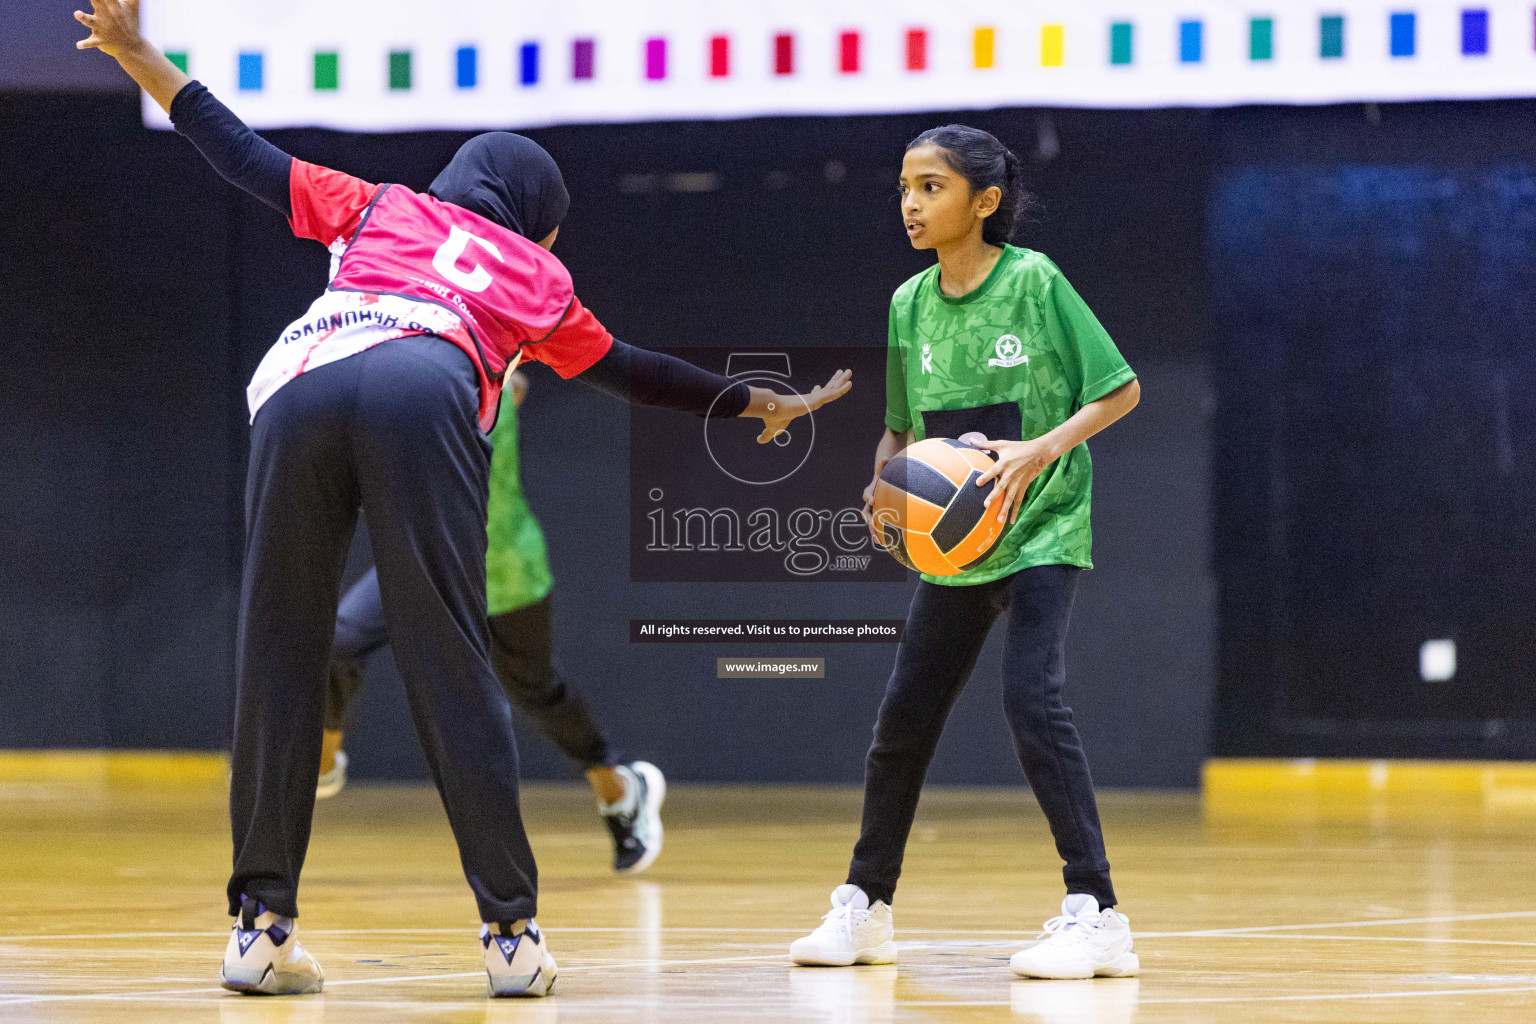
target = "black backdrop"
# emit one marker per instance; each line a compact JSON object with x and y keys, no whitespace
{"x":144,"y":290}
{"x":1374,"y":292}
{"x":141,"y":291}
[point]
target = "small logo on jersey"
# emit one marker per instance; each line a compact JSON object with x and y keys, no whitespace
{"x":927,"y":358}
{"x":1010,"y":352}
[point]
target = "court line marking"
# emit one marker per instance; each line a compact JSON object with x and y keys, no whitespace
{"x":1316,"y":997}
{"x":610,"y":1004}
{"x":1396,"y":938}
{"x":1260,"y":931}
{"x":1027,"y":932}
{"x":311,"y":932}
{"x":47,"y":997}
{"x":1337,"y":924}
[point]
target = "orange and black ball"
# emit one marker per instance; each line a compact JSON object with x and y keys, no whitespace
{"x":930,"y":513}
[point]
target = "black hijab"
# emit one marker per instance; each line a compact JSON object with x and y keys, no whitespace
{"x":508,"y":179}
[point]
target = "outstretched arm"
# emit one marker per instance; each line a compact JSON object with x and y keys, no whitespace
{"x":241,"y":156}
{"x":642,"y":377}
{"x":779,"y":411}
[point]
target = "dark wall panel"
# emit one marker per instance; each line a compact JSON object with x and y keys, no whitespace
{"x":116,"y":592}
{"x":1139,"y":660}
{"x":37,"y":51}
{"x":1377,"y":416}
{"x":150,"y":291}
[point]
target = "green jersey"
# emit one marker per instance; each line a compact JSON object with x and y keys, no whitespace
{"x":516,"y":563}
{"x":1013,"y":359}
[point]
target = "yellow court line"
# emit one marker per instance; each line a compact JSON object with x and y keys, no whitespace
{"x":115,"y":767}
{"x":1498,"y":782}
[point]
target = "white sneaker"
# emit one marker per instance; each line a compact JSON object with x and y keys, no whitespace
{"x":264,"y":957}
{"x":852,"y":932}
{"x":517,"y":960}
{"x":635,"y":821}
{"x":1084,"y":942}
{"x":330,"y":783}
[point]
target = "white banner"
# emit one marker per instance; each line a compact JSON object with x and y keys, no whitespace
{"x":386,"y":65}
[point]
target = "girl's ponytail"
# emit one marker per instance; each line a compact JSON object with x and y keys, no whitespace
{"x":1016,"y":202}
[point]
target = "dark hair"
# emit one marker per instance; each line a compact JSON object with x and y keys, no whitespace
{"x":983,"y":162}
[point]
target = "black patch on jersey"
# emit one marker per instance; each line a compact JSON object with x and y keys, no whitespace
{"x":989,"y":453}
{"x":1000,"y":422}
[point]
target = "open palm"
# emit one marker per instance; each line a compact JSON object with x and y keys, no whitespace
{"x":114,"y":26}
{"x":779,"y":411}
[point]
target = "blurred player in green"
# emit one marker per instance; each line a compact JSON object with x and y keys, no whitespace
{"x":518,"y":583}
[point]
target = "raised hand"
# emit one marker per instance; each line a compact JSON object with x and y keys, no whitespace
{"x":114,"y":27}
{"x":779,"y":411}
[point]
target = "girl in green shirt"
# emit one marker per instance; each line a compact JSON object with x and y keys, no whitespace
{"x":990,"y":345}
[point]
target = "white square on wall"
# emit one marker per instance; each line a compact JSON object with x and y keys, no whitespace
{"x":1437,"y":660}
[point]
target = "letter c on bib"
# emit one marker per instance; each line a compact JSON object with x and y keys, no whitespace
{"x":447,"y":258}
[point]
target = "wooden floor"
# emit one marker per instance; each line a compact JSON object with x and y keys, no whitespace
{"x":111,"y":910}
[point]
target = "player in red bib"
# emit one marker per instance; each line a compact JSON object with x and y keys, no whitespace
{"x":378,"y":398}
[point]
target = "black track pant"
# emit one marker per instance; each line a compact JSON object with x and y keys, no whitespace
{"x":946,"y":627}
{"x":391,"y":430}
{"x":520,"y":653}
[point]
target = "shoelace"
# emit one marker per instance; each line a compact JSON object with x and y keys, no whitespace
{"x":843,"y":916}
{"x":1066,"y":928}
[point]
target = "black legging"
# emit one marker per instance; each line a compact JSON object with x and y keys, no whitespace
{"x":520,"y":653}
{"x":946,"y":627}
{"x":392,"y":430}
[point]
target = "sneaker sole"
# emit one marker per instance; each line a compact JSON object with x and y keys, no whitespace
{"x":333,"y":781}
{"x":656,"y":795}
{"x":270,"y":983}
{"x":1122,"y":966}
{"x":885,"y":953}
{"x":1050,"y":975}
{"x":532,"y":986}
